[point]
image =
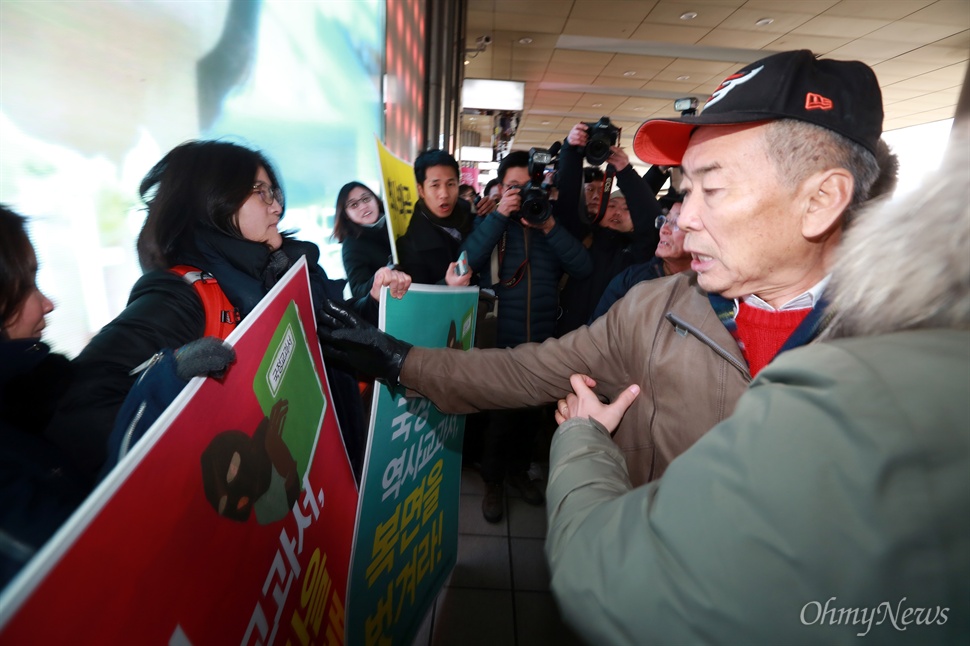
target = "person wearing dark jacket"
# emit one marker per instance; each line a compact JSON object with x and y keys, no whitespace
{"x":39,"y":487}
{"x":669,"y":259}
{"x":429,"y":249}
{"x":214,"y":206}
{"x":361,"y":229}
{"x":625,"y":236}
{"x":532,"y":257}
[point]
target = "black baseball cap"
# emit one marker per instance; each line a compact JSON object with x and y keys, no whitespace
{"x":843,"y":96}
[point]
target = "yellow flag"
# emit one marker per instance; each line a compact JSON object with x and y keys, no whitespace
{"x":400,"y":193}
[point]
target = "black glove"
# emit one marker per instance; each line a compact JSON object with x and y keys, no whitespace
{"x":208,"y":356}
{"x":357,"y":345}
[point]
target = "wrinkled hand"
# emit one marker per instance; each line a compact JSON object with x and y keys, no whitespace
{"x":578,"y":135}
{"x":511,"y":202}
{"x":585,"y":403}
{"x":205,"y":357}
{"x":454,"y":280}
{"x":356,"y":345}
{"x":397,"y":282}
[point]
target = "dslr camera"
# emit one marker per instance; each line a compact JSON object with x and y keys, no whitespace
{"x":602,"y":135}
{"x":536,"y":208}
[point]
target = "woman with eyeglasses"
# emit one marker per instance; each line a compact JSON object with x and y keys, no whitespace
{"x":215,"y":206}
{"x":361,"y":228}
{"x":669,"y":259}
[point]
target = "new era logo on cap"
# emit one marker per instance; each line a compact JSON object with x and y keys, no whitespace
{"x":842,"y":96}
{"x":817,"y":102}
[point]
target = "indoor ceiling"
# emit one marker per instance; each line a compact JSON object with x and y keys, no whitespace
{"x":629,"y":59}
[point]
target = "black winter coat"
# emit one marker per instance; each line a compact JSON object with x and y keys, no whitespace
{"x":39,"y":487}
{"x":364,"y":251}
{"x":527,"y":306}
{"x":611,"y":251}
{"x":426,"y":250}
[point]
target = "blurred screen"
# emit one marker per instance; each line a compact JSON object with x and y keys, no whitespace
{"x":94,"y":93}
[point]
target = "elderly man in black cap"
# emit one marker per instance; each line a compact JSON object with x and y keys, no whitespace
{"x":782,"y":153}
{"x":831,"y":506}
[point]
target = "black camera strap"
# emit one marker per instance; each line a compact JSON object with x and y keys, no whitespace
{"x":608,"y":176}
{"x":520,"y":271}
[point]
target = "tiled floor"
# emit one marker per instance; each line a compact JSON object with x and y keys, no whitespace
{"x":498,"y":594}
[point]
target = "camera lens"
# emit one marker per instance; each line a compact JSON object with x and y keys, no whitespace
{"x":535,"y":206}
{"x":602,"y":135}
{"x":533,"y":209}
{"x":597,"y":150}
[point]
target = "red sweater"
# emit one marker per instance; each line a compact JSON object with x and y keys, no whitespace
{"x":762,"y":333}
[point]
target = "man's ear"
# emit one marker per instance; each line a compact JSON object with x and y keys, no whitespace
{"x":829,"y":194}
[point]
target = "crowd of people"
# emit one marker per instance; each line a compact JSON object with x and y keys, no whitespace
{"x":836,"y":473}
{"x":759,"y":376}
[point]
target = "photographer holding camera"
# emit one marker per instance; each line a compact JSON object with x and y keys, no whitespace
{"x":532,"y":252}
{"x":623,"y":236}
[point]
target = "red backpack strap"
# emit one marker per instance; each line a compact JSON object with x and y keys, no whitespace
{"x":220,"y":315}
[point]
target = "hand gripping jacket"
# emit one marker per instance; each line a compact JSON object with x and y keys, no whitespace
{"x":221,"y":317}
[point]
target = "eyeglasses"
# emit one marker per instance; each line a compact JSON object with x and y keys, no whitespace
{"x":367,"y":199}
{"x":669,"y":221}
{"x":267,"y":194}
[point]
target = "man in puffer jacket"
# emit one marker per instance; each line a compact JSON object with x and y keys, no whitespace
{"x":531,"y":256}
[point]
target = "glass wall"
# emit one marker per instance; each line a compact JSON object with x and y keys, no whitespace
{"x":92,"y":94}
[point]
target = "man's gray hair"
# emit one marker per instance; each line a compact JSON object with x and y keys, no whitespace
{"x":800,"y":149}
{"x":905,"y":264}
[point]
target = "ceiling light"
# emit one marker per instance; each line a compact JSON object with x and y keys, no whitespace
{"x":597,"y":105}
{"x":630,"y":73}
{"x":525,"y":41}
{"x":466,"y":61}
{"x":764,"y":22}
{"x":639,"y":108}
{"x":688,"y":15}
{"x":545,"y":123}
{"x":683,"y":77}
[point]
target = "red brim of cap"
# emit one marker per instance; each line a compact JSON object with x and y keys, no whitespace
{"x":662,"y":142}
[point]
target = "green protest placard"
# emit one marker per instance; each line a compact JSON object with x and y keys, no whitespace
{"x":406,"y":540}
